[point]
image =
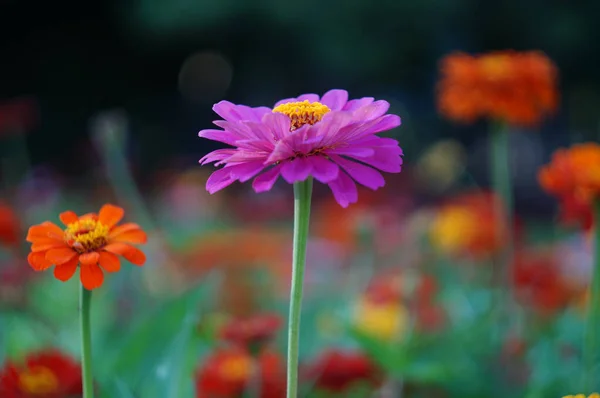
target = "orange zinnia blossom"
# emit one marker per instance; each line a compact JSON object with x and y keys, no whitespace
{"x":46,"y":374}
{"x":573,"y":175}
{"x":518,"y":88}
{"x":88,"y":241}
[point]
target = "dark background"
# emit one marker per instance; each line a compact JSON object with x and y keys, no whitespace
{"x":77,"y":59}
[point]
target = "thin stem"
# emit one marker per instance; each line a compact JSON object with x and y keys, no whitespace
{"x":501,"y":183}
{"x":591,"y":347}
{"x":302,"y":197}
{"x":86,"y":343}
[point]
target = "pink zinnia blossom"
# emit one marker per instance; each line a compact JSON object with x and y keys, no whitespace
{"x":330,"y":138}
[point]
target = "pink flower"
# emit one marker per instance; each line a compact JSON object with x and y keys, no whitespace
{"x":329,"y":138}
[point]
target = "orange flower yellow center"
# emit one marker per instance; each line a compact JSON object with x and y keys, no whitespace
{"x":86,"y":235}
{"x":38,"y":380}
{"x":302,"y":112}
{"x":236,"y":368}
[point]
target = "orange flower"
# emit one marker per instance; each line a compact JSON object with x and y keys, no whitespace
{"x":468,"y":224}
{"x":47,"y":374}
{"x":88,"y":241}
{"x":9,"y":226}
{"x":518,"y":88}
{"x":227,"y":373}
{"x":573,"y":175}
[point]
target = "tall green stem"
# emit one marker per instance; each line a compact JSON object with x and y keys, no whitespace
{"x":86,"y":343}
{"x":501,"y":183}
{"x":591,"y":343}
{"x":302,"y":196}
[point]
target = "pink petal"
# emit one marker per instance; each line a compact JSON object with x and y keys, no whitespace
{"x":364,"y":175}
{"x":335,"y":99}
{"x":278,"y":123}
{"x":296,"y":170}
{"x":372,"y":111}
{"x":217,"y":155}
{"x":351,"y":151}
{"x":344,"y":190}
{"x":265,"y":181}
{"x":355,"y":104}
{"x":323,"y":170}
{"x":218,"y":135}
{"x":236,"y":113}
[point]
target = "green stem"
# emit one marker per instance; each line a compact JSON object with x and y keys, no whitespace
{"x":302,"y":196}
{"x":501,"y":183}
{"x":86,"y":343}
{"x":590,"y":348}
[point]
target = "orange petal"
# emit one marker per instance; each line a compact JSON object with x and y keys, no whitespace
{"x":46,"y":244}
{"x":110,"y":215}
{"x":38,"y":261}
{"x":110,"y":262}
{"x":89,"y":258}
{"x":135,"y":236}
{"x":68,"y":217}
{"x":89,"y":216}
{"x":131,"y":254}
{"x":123,"y":228}
{"x":65,"y":271}
{"x":60,"y":256}
{"x":43,"y":231}
{"x":91,"y":276}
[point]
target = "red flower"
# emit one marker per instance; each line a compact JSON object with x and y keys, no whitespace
{"x":9,"y":226}
{"x":251,"y":332}
{"x":227,"y":373}
{"x":18,"y":115}
{"x":336,"y":370}
{"x":539,"y":283}
{"x":47,"y":374}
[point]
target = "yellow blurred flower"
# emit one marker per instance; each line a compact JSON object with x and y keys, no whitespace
{"x":382,"y":320}
{"x":594,"y":395}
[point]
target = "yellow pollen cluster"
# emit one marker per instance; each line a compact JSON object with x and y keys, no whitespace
{"x":86,"y":235}
{"x":38,"y":380}
{"x":302,"y":112}
{"x":237,"y":368}
{"x":496,"y":67}
{"x":594,"y":395}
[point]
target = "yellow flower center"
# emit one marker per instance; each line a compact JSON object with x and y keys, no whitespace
{"x":453,"y":229}
{"x":86,"y":235}
{"x":302,"y":112}
{"x":385,"y":321}
{"x":38,"y":380}
{"x":237,"y":368}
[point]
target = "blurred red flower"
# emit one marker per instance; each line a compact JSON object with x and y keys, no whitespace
{"x":18,"y":115}
{"x":573,"y":177}
{"x":9,"y":226}
{"x":227,"y":373}
{"x":336,"y":371}
{"x":46,"y":374}
{"x":539,"y":283}
{"x":251,"y":332}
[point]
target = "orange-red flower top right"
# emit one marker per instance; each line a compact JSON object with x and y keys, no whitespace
{"x":517,"y":88}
